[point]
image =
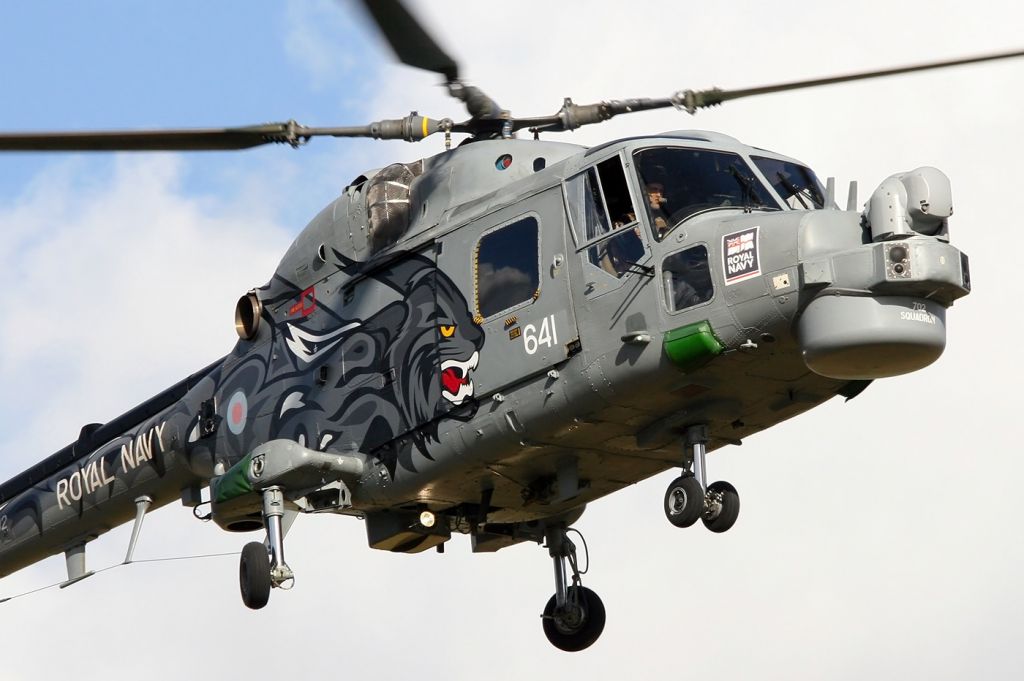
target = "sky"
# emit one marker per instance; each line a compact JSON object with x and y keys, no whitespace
{"x":878,"y":538}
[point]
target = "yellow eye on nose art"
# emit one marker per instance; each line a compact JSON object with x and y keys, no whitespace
{"x":447,"y":331}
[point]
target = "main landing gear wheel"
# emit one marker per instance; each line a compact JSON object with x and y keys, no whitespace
{"x":723,"y":507}
{"x":684,"y":501}
{"x":262,"y":566}
{"x":254,"y":575}
{"x":578,"y":623}
{"x":574,"y":617}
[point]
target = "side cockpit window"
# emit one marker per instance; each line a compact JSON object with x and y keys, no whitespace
{"x":507,"y":267}
{"x":586,"y":206}
{"x":687,"y":276}
{"x":604,"y":217}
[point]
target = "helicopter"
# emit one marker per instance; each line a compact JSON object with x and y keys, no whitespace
{"x":310,"y":345}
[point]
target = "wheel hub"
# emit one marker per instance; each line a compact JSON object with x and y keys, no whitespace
{"x":570,"y":618}
{"x":712,"y":505}
{"x":677,"y":502}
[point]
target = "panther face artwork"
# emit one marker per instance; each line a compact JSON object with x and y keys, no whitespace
{"x":460,"y":339}
{"x":393,"y":374}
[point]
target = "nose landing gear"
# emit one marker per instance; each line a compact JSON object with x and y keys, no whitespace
{"x":684,"y":501}
{"x":722,"y":506}
{"x":574,"y":616}
{"x":689,"y":497}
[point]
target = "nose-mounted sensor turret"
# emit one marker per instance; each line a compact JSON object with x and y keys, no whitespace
{"x":880,"y":309}
{"x":911,"y":203}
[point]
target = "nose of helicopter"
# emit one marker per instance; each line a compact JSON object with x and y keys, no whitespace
{"x":869,"y":337}
{"x":877,"y":308}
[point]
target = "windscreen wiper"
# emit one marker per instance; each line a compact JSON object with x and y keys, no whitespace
{"x":750,"y":197}
{"x":799,"y":193}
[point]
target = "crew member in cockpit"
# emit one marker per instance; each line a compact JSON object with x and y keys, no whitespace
{"x":656,"y":206}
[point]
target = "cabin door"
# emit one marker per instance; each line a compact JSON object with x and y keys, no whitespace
{"x":511,"y":267}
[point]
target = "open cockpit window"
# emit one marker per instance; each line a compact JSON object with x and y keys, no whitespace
{"x":679,"y":183}
{"x":586,"y":206}
{"x":604,"y":218}
{"x":797,"y":185}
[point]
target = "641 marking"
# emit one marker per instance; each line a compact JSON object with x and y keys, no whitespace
{"x":547,"y":335}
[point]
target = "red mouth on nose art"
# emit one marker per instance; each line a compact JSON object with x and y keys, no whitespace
{"x":452,"y":379}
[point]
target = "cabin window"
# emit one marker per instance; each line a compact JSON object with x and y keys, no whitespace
{"x":604,"y":218}
{"x":507,"y":267}
{"x":687,"y":277}
{"x":679,"y":183}
{"x":797,"y":185}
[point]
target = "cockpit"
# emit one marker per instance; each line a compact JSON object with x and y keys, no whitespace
{"x":623,"y":205}
{"x":679,"y":183}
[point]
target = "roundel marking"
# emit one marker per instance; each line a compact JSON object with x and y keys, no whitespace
{"x":503,"y":162}
{"x":238,"y":411}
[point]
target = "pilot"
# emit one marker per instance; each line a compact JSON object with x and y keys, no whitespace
{"x":656,"y":202}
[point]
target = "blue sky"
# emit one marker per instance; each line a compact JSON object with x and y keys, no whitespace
{"x":878,"y":539}
{"x":193,"y":64}
{"x":189,"y":63}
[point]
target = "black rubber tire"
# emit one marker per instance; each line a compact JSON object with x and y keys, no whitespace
{"x":730,"y":501}
{"x":684,"y":501}
{"x":254,"y":575}
{"x":588,"y":631}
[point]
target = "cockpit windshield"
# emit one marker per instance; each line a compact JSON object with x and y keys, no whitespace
{"x":797,"y":185}
{"x":680,"y":182}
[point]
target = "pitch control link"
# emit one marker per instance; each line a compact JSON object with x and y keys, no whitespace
{"x":574,"y":616}
{"x":262,"y":566}
{"x":689,"y":497}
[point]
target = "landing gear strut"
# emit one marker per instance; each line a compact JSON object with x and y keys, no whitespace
{"x":574,"y":616}
{"x":258,"y":570}
{"x":689,"y":497}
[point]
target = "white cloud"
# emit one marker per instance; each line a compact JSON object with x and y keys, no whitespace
{"x":120,"y":280}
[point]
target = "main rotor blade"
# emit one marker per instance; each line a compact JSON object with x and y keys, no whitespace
{"x":572,"y":116}
{"x":409,"y":39}
{"x":694,"y":100}
{"x":197,"y":139}
{"x":415,"y":47}
{"x":411,"y":128}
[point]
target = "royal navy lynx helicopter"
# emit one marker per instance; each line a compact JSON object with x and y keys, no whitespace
{"x":484,"y":341}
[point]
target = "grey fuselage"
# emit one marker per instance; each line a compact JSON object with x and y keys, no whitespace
{"x":403,"y":328}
